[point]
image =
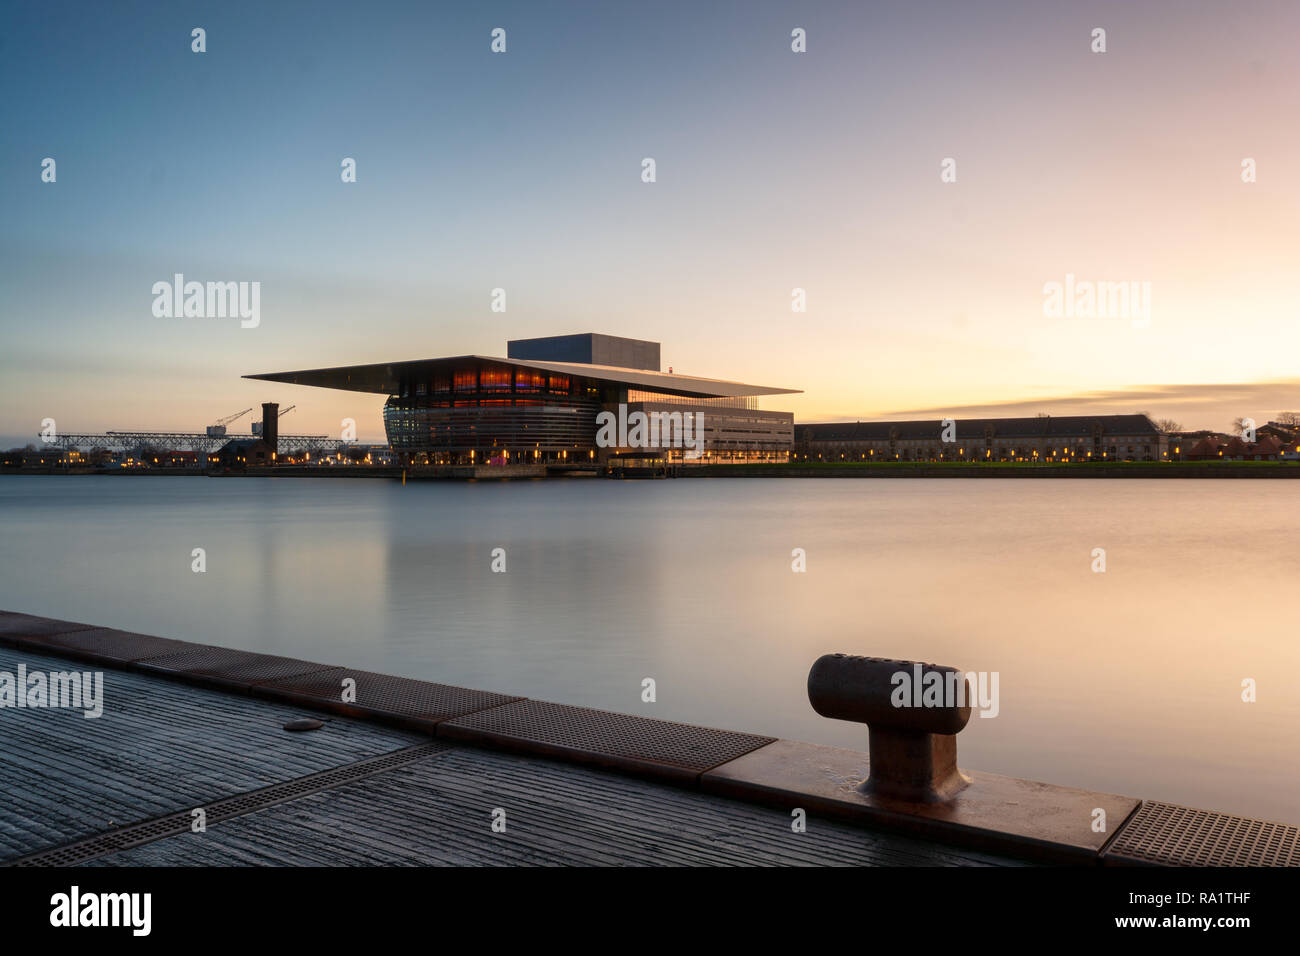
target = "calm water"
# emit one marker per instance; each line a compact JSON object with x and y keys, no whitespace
{"x":1127,"y":681}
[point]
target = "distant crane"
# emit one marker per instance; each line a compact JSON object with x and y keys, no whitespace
{"x":219,"y":429}
{"x":257,"y":426}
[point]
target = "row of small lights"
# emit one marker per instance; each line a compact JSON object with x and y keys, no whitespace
{"x":988,"y":454}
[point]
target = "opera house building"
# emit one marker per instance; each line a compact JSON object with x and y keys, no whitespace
{"x":546,"y":400}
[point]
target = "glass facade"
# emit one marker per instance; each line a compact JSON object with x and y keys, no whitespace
{"x":749,"y":402}
{"x":477,"y":411}
{"x":483,"y":413}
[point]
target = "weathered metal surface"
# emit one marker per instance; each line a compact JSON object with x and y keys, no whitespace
{"x":910,"y":766}
{"x":303,"y":724}
{"x":215,"y":811}
{"x":634,"y":744}
{"x":381,"y":694}
{"x":440,"y":811}
{"x":103,"y":643}
{"x":17,"y":624}
{"x":913,"y":738}
{"x":862,"y":689}
{"x":1165,"y":834}
{"x":233,"y":665}
{"x":995,"y":813}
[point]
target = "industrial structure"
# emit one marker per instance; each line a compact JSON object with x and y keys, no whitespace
{"x":542,"y":402}
{"x":218,"y":429}
{"x":203,"y":446}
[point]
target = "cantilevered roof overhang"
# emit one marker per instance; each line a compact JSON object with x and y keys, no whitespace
{"x":387,"y":378}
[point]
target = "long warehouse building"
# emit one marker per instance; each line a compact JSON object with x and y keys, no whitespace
{"x":1044,"y":438}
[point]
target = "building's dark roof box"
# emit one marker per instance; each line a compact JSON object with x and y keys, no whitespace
{"x":589,"y":348}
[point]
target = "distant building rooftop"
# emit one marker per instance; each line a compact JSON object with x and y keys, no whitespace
{"x":1046,"y":426}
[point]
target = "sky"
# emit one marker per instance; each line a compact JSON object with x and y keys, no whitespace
{"x":775,"y":170}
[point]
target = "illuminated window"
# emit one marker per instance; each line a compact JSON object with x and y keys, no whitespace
{"x":495,"y":380}
{"x":529,"y":381}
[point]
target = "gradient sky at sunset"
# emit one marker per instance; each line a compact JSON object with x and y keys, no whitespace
{"x":775,"y":170}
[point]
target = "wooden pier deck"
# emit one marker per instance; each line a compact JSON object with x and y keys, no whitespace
{"x":163,"y":748}
{"x":414,"y":773}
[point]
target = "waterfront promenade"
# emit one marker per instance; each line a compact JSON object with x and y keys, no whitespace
{"x":411,"y":772}
{"x":828,"y":469}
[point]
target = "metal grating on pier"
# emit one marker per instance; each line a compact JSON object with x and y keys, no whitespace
{"x":176,"y":824}
{"x":1165,"y":834}
{"x":29,"y":625}
{"x":392,"y":695}
{"x":231,"y":664}
{"x":601,"y":737}
{"x":111,"y":644}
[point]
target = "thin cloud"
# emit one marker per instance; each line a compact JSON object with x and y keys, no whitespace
{"x":1212,"y":405}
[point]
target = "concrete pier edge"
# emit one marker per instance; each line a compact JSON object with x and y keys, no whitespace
{"x":1000,"y":814}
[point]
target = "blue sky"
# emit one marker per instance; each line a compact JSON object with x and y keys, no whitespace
{"x":522,"y":171}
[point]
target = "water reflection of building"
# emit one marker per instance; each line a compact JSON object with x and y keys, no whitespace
{"x":1048,"y":438}
{"x":540,"y":403}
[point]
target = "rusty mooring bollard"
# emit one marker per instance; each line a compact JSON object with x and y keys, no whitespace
{"x":913,"y":745}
